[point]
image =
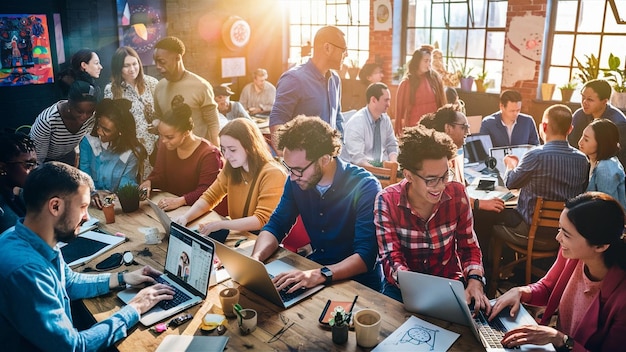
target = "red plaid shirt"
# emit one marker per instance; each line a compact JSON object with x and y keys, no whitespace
{"x":444,"y":245}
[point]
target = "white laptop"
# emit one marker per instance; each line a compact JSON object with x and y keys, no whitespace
{"x":257,"y":277}
{"x":188,"y":265}
{"x":500,"y":152}
{"x":444,"y":299}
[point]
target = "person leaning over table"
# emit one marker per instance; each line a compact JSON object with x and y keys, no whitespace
{"x":335,"y":200}
{"x":586,"y":285}
{"x":186,"y":164}
{"x":17,"y":160}
{"x":112,"y":155}
{"x":424,"y":223}
{"x":251,"y":178}
{"x":58,"y":129}
{"x":37,"y":284}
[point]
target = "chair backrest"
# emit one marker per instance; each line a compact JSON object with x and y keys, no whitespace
{"x":547,"y":213}
{"x":474,"y":122}
{"x":387,"y":174}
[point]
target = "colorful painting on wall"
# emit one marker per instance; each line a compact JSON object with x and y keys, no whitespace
{"x":25,"y":56}
{"x":141,"y":25}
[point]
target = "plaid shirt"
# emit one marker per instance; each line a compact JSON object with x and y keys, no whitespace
{"x":444,"y":245}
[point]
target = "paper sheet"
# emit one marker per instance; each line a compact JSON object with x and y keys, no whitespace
{"x":418,"y":335}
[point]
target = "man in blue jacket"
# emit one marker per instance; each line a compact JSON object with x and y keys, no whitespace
{"x":508,"y":126}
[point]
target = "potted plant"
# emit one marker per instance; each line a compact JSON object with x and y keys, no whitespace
{"x":567,"y":90}
{"x":464,"y":72}
{"x":128,"y":195}
{"x":618,"y":80}
{"x":590,"y":70}
{"x":339,"y":325}
{"x":482,"y":84}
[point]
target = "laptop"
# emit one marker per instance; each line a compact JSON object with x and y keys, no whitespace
{"x":444,"y":299}
{"x":165,"y":220}
{"x":476,"y":148}
{"x":500,"y":152}
{"x":188,"y":266}
{"x":257,"y":277}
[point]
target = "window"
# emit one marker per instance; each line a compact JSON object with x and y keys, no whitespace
{"x":307,"y":16}
{"x":469,"y":33}
{"x":583,"y":27}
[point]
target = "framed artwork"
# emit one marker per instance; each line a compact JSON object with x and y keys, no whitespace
{"x":141,"y":25}
{"x":25,"y":56}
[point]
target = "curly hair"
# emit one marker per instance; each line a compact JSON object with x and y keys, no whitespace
{"x":445,"y":115}
{"x":12,"y":144}
{"x":419,"y":143}
{"x":311,"y":134}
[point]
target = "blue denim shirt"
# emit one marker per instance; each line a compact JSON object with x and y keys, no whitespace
{"x":303,"y":90}
{"x":339,"y":223}
{"x":608,"y":177}
{"x":109,"y":170}
{"x":37,"y":286}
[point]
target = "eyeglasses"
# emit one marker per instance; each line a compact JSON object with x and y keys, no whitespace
{"x":464,"y":126}
{"x":343,"y":50}
{"x":280,"y":332}
{"x":434,"y":181}
{"x":295,"y":171}
{"x":28,"y":164}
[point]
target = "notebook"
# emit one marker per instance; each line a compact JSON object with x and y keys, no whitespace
{"x":188,"y":266}
{"x":444,"y":299}
{"x":257,"y":277}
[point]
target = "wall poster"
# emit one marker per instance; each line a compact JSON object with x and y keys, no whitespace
{"x":25,"y":56}
{"x":141,"y":24}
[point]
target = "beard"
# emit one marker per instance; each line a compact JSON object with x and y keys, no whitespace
{"x":313,"y":180}
{"x":64,"y":232}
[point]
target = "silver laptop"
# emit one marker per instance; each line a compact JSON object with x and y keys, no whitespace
{"x":444,"y":299}
{"x":188,"y":266}
{"x":257,"y":277}
{"x":164,"y":219}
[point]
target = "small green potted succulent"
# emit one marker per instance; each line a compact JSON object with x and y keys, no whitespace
{"x":129,"y":195}
{"x":339,"y":325}
{"x":567,"y":90}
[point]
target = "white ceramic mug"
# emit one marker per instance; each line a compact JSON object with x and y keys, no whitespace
{"x":247,"y":321}
{"x":367,"y":327}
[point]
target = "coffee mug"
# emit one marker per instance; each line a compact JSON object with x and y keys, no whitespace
{"x":367,"y":327}
{"x":247,"y":321}
{"x":228,"y":298}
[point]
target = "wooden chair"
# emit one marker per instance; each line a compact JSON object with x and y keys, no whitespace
{"x":387,"y":174}
{"x":546,"y":214}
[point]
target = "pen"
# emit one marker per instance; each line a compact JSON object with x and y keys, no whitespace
{"x":353,"y":303}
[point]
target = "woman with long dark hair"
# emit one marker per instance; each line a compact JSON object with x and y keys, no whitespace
{"x":586,"y":284}
{"x":112,"y":155}
{"x":420,"y":92}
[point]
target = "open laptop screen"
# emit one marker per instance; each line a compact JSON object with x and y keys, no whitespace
{"x":189,"y":259}
{"x":500,"y":152}
{"x":476,"y":148}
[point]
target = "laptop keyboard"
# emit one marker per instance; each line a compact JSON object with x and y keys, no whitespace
{"x":179,"y":296}
{"x":491,"y":331}
{"x":289,"y":296}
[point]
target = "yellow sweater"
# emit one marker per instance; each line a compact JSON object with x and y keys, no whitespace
{"x":265,"y":195}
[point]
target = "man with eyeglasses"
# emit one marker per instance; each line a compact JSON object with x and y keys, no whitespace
{"x":424,"y":223}
{"x":335,"y":200}
{"x":313,"y":88}
{"x":508,"y":126}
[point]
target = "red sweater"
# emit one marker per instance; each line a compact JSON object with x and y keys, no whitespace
{"x":603,"y":327}
{"x":187,"y":177}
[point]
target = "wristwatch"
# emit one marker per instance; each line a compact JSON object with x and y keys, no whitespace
{"x":328,"y":275}
{"x":569,"y":342}
{"x":120,"y":279}
{"x":477,"y":277}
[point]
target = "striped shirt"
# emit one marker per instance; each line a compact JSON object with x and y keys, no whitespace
{"x":51,"y":137}
{"x":554,"y":171}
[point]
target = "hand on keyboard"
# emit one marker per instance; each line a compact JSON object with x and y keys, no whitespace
{"x":295,"y":280}
{"x":150,"y":296}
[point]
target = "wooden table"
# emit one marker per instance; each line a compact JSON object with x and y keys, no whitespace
{"x":305,"y":335}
